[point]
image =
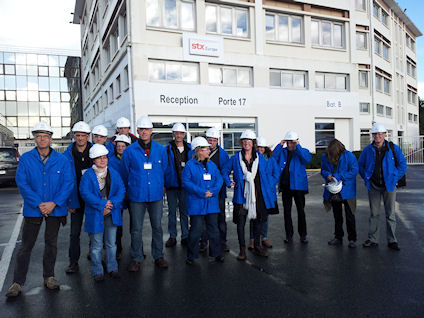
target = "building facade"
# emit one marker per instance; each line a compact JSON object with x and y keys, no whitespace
{"x":37,"y":85}
{"x":323,"y":68}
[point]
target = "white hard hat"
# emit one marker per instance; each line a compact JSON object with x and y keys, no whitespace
{"x":100,"y":130}
{"x":261,"y":142}
{"x":123,"y":123}
{"x":178,"y":127}
{"x":123,"y":138}
{"x":199,"y":142}
{"x":378,"y":128}
{"x":291,"y":135}
{"x":335,"y":186}
{"x":144,"y":122}
{"x":42,"y":127}
{"x":81,"y":126}
{"x":98,"y":150}
{"x":248,"y":134}
{"x":212,"y":133}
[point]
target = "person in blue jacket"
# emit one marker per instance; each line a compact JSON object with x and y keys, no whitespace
{"x":293,"y":182}
{"x":115,"y":162}
{"x":177,"y":151}
{"x":103,"y":191}
{"x":339,"y":164}
{"x":145,"y":164}
{"x":253,"y":194}
{"x":45,"y":181}
{"x":381,"y":165}
{"x":202,"y":181}
{"x":123,"y":127}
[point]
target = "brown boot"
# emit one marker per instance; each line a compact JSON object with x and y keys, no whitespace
{"x":266,"y":243}
{"x":259,"y":251}
{"x":242,"y":254}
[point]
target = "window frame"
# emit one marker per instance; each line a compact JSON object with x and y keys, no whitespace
{"x":289,"y":17}
{"x":234,"y":10}
{"x":292,"y":72}
{"x":231,"y":67}
{"x":162,"y":13}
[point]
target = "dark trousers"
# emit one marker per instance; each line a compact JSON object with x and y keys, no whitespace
{"x":29,"y":236}
{"x":77,"y":219}
{"x":299,"y":200}
{"x":222,"y":226}
{"x":257,"y":226}
{"x":338,"y":221}
{"x":195,"y":232}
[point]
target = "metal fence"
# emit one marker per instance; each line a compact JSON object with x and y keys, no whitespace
{"x":412,"y":148}
{"x":60,"y":149}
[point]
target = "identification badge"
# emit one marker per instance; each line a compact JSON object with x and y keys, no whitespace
{"x":83,"y":171}
{"x":183,"y":164}
{"x":147,"y":166}
{"x":207,"y":177}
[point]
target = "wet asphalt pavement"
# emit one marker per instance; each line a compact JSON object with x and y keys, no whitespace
{"x":313,"y":280}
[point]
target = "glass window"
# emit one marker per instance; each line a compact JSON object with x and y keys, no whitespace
{"x":175,"y":14}
{"x":319,"y":81}
{"x":378,"y":84}
{"x":56,"y":121}
{"x":22,"y":96}
{"x":22,"y":121}
{"x":288,"y":79}
{"x":315,"y":32}
{"x":32,"y":83}
{"x":54,"y":84}
{"x":332,"y":81}
{"x":1,"y":82}
{"x":32,"y":59}
{"x":22,"y":109}
{"x":53,"y":60}
{"x":327,"y":33}
{"x":43,"y":60}
{"x":32,"y":96}
{"x":21,"y":70}
{"x":389,"y":112}
{"x":242,"y":23}
{"x":33,"y":120}
{"x":361,"y":41}
{"x":11,"y":109}
{"x":54,"y":96}
{"x":32,"y":70}
{"x":380,"y":110}
{"x":9,"y":69}
{"x":361,"y":5}
{"x":230,"y":75}
{"x":156,"y":71}
{"x":211,"y":19}
{"x":65,"y":109}
{"x":9,"y":58}
{"x":55,"y":109}
{"x":43,"y":83}
{"x":43,"y":71}
{"x":270,"y":26}
{"x":324,"y":133}
{"x":363,"y":79}
{"x":44,"y":96}
{"x":44,"y":109}
{"x":2,"y":97}
{"x":170,"y":16}
{"x":173,"y":71}
{"x":187,"y":15}
{"x":274,"y":78}
{"x":189,"y":73}
{"x":296,"y":29}
{"x":215,"y":75}
{"x":65,"y":97}
{"x":63,"y":85}
{"x":364,"y":108}
{"x":227,"y":20}
{"x":10,"y":82}
{"x":288,"y":28}
{"x":283,"y":28}
{"x":387,"y":86}
{"x":54,"y":71}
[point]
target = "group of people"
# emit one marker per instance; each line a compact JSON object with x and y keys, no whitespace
{"x":99,"y":180}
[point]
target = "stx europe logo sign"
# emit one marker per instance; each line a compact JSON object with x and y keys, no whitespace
{"x":202,"y":47}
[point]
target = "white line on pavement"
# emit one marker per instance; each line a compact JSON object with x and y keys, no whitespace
{"x":8,"y":251}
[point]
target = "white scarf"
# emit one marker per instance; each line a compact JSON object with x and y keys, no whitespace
{"x":249,"y":187}
{"x":101,"y":177}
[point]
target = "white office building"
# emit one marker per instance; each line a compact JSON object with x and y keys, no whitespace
{"x":322,"y":68}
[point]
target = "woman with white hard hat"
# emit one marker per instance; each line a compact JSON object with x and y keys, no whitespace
{"x":202,"y":182}
{"x":99,"y":135}
{"x":123,"y":127}
{"x":103,"y":192}
{"x":253,"y":193}
{"x":339,"y":169}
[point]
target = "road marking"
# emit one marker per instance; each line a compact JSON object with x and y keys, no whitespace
{"x":408,"y":225}
{"x":6,"y":244}
{"x":8,"y":251}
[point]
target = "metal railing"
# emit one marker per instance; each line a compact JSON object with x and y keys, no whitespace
{"x":60,"y":149}
{"x":412,"y":148}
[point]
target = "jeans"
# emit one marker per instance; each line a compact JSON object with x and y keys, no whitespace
{"x":177,"y":197}
{"x":338,"y":221}
{"x":389,"y":199}
{"x":29,"y":236}
{"x":196,"y":228}
{"x":74,"y":245}
{"x":119,"y":230}
{"x":257,"y":225}
{"x":137,"y":211}
{"x":299,"y":200}
{"x":222,"y":226}
{"x":96,"y":247}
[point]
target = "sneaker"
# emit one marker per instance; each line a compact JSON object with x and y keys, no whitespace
{"x":288,"y":240}
{"x":219,"y":259}
{"x":114,"y":274}
{"x":352,"y":244}
{"x":369,"y":243}
{"x":14,"y":290}
{"x":134,"y":266}
{"x":171,"y":242}
{"x":51,"y":283}
{"x":266,"y":243}
{"x":184,"y":241}
{"x":99,"y":278}
{"x":335,"y":241}
{"x":394,"y":246}
{"x":72,"y":268}
{"x":161,"y":263}
{"x":304,"y":240}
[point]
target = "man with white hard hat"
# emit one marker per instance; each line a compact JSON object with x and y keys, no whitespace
{"x":144,"y":166}
{"x":123,"y":128}
{"x":381,"y":165}
{"x":99,"y":135}
{"x":78,"y":156}
{"x":293,"y":182}
{"x":44,"y":179}
{"x":177,"y":151}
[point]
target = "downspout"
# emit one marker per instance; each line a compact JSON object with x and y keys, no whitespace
{"x":130,"y":70}
{"x":372,"y":47}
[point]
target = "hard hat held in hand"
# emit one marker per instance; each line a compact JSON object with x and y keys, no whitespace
{"x":97,"y":150}
{"x":81,"y":126}
{"x":178,"y":127}
{"x":291,"y":135}
{"x":261,"y":141}
{"x":42,"y":127}
{"x":123,"y":138}
{"x":100,"y":130}
{"x":144,"y":122}
{"x":199,"y":142}
{"x":378,"y":128}
{"x":213,"y":133}
{"x":334,"y":186}
{"x":248,"y":134}
{"x":123,"y":123}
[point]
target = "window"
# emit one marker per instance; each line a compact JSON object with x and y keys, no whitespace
{"x":9,"y":69}
{"x":386,"y":52}
{"x":327,"y":33}
{"x":377,"y":46}
{"x":363,"y":79}
{"x":111,"y":94}
{"x":169,"y":71}
{"x":381,"y":48}
{"x":387,"y":84}
{"x":125,"y":78}
{"x":412,"y":97}
{"x":118,"y":86}
{"x":389,"y":112}
{"x":288,"y":79}
{"x":233,"y":21}
{"x":410,"y":42}
{"x":411,"y":69}
{"x":331,"y":81}
{"x":324,"y":133}
{"x":284,"y":28}
{"x":378,"y":82}
{"x":364,"y":108}
{"x":172,"y":14}
{"x":415,"y":118}
{"x":365,"y":137}
{"x":380,"y":110}
{"x":361,"y":40}
{"x":230,"y":75}
{"x":384,"y":18}
{"x":410,"y":117}
{"x":361,"y":5}
{"x":376,"y":10}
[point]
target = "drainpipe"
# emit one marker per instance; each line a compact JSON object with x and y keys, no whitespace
{"x":130,"y":69}
{"x":372,"y":47}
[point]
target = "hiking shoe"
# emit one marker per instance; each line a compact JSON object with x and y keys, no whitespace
{"x":171,"y":242}
{"x":51,"y":283}
{"x":161,"y":262}
{"x":134,"y":266}
{"x":72,"y":268}
{"x":14,"y":290}
{"x":335,"y":241}
{"x":99,"y":278}
{"x":394,"y":246}
{"x":352,"y":244}
{"x":369,"y":243}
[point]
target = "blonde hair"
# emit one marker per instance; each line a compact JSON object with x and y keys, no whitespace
{"x":196,"y":153}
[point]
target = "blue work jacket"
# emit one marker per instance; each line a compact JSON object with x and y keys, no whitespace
{"x":95,"y":204}
{"x":144,"y":185}
{"x":171,"y":176}
{"x":347,"y":169}
{"x":267,"y":180}
{"x":39,"y":182}
{"x":301,"y":156}
{"x":390,"y":172}
{"x":117,"y":165}
{"x":195,"y":185}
